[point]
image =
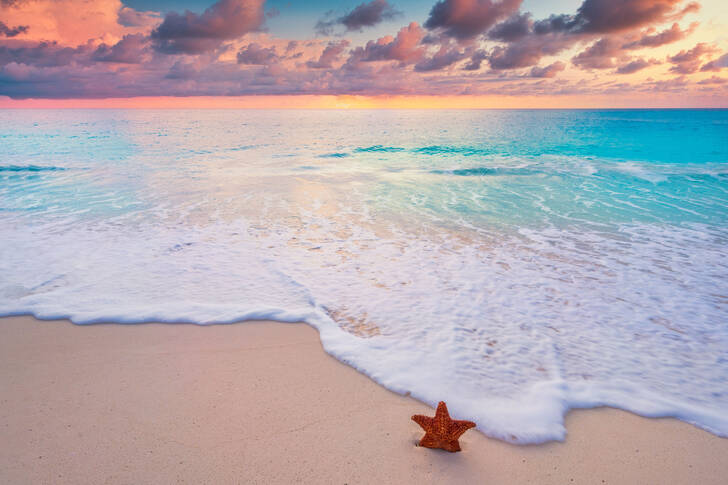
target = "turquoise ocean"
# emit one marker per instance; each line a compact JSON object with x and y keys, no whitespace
{"x":516,"y":264}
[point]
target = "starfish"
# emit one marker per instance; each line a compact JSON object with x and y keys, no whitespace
{"x":441,"y":431}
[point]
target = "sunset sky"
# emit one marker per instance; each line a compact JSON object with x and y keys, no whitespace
{"x":352,"y":54}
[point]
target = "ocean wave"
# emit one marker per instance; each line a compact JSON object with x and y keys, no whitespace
{"x":449,"y":150}
{"x":378,"y":149}
{"x":334,"y":155}
{"x":515,"y":268}
{"x":30,"y":168}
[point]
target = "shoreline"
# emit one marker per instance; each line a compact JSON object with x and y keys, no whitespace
{"x":262,"y":401}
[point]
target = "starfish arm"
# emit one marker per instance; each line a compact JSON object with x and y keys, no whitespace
{"x":424,"y":421}
{"x":442,"y":414}
{"x":457,"y":428}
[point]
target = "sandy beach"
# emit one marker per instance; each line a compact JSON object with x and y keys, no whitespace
{"x":261,"y":402}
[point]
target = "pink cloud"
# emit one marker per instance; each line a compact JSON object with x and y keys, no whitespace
{"x":191,"y":33}
{"x":548,"y":71}
{"x":109,"y":49}
{"x":329,"y":56}
{"x":466,"y":19}
{"x":405,"y":47}
{"x":688,"y":61}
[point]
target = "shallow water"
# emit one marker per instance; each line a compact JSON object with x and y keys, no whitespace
{"x":513,"y":263}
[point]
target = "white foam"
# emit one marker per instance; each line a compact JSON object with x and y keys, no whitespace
{"x":511,"y":334}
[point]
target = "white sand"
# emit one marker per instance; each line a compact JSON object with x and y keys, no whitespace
{"x":261,"y":402}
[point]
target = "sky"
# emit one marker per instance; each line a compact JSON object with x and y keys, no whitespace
{"x":364,"y":54}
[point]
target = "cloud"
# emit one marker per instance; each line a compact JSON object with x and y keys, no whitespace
{"x":600,"y":55}
{"x":109,"y":49}
{"x":190,"y":33}
{"x":369,"y":14}
{"x":44,"y":54}
{"x":608,"y":16}
{"x":714,"y":80}
{"x":329,"y":56}
{"x":513,"y":28}
{"x":444,"y":57}
{"x":128,"y":17}
{"x":183,"y":70}
{"x":405,"y":47}
{"x":476,"y":60}
{"x":668,"y":36}
{"x":549,"y":71}
{"x":636,"y":65}
{"x":609,"y":52}
{"x":604,"y":16}
{"x":466,"y":19}
{"x":527,"y":41}
{"x":688,"y":61}
{"x":129,"y":50}
{"x":12,"y":32}
{"x":255,"y":54}
{"x":717,"y":64}
{"x":528,"y":51}
{"x":363,"y":15}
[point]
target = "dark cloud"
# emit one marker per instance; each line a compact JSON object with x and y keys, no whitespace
{"x":555,"y":23}
{"x":668,"y":36}
{"x":255,"y":54}
{"x":183,"y":70}
{"x":636,"y":65}
{"x":44,"y":54}
{"x":599,"y":55}
{"x":329,"y":56}
{"x":688,"y":61}
{"x":12,"y":32}
{"x":716,"y":65}
{"x":466,"y":19}
{"x":608,"y":16}
{"x":603,"y":16}
{"x":444,"y":57}
{"x":476,"y":60}
{"x":369,"y":14}
{"x":129,"y":50}
{"x":548,"y":71}
{"x":528,"y":51}
{"x":363,"y":15}
{"x":513,"y":28}
{"x":192,"y":33}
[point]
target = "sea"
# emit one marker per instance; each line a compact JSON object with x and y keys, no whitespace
{"x":516,"y":264}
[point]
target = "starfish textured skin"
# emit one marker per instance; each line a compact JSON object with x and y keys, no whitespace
{"x":442,"y":431}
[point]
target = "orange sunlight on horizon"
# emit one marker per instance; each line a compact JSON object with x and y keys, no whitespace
{"x":365,"y":102}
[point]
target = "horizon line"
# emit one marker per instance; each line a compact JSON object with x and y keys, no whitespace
{"x":354,"y":102}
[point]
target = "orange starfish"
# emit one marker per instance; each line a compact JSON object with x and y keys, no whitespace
{"x":441,"y":431}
